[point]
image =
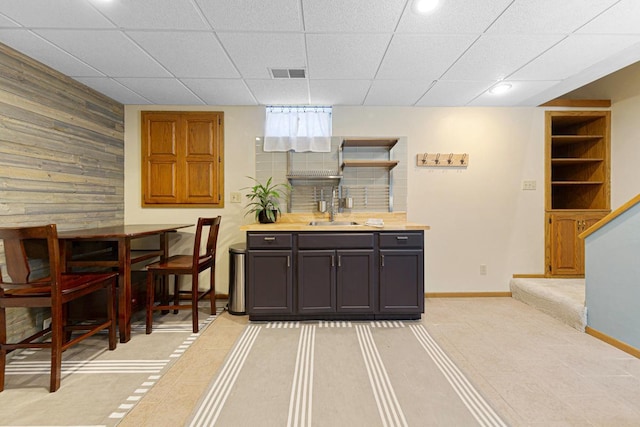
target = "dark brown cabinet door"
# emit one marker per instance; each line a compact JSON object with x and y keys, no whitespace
{"x":335,"y":281}
{"x":401,"y":281}
{"x":316,"y":281}
{"x":355,"y":285}
{"x":270,"y":282}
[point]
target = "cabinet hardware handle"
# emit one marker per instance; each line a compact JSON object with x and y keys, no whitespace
{"x":402,"y":237}
{"x":269,"y":239}
{"x":339,"y":262}
{"x":288,"y":261}
{"x":333,"y":262}
{"x":381,"y":260}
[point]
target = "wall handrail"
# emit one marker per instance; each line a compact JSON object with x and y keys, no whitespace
{"x":610,"y":217}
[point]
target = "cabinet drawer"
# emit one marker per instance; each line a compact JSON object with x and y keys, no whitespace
{"x":401,"y":240}
{"x":269,"y":240}
{"x":335,"y":240}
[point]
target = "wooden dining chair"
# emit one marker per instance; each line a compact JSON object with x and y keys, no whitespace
{"x":37,"y":249}
{"x":182,"y":265}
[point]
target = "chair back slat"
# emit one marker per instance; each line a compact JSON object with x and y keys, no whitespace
{"x":15,"y":255}
{"x":27,"y":247}
{"x":212,"y":238}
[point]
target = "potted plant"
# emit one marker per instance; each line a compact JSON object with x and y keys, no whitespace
{"x":264,"y":200}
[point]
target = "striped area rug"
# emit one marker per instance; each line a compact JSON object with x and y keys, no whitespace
{"x":341,"y":374}
{"x":98,"y":387}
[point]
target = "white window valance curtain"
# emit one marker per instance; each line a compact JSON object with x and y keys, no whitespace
{"x":298,"y":128}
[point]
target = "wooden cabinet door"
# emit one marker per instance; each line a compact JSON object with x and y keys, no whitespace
{"x":160,"y":143}
{"x":182,"y":158}
{"x":566,"y":249}
{"x":316,"y":282}
{"x":270,"y":282}
{"x":587,"y":220}
{"x":401,"y":281}
{"x":355,"y":290}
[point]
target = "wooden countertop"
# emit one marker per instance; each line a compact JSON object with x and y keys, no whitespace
{"x":393,"y":221}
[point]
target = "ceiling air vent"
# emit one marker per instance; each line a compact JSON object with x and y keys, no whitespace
{"x":288,"y":73}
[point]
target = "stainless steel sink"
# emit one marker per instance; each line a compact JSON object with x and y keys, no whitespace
{"x":332,"y":223}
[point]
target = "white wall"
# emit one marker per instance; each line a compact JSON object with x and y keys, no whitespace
{"x":625,"y":151}
{"x":478,"y":215}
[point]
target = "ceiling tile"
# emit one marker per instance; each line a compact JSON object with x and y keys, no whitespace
{"x":351,"y":15}
{"x":496,"y":57}
{"x":623,"y":18}
{"x":547,"y":16}
{"x":113,"y":89}
{"x":348,"y":56}
{"x":422,"y":57}
{"x":338,"y":92}
{"x":221,"y":91}
{"x":37,"y":48}
{"x":519,"y":92}
{"x":111,"y":52}
{"x":252,"y":15}
{"x":573,"y":55}
{"x":460,"y":16}
{"x":396,"y":92}
{"x":255,"y":53}
{"x":54,"y":14}
{"x":187,"y":54}
{"x":6,"y":22}
{"x":453,"y":93}
{"x":355,"y":52}
{"x":161,"y":91}
{"x":153,"y":14}
{"x":294,"y":91}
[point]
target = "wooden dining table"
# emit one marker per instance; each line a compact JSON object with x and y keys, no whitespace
{"x":117,"y":255}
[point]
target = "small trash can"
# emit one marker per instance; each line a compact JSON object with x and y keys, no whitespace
{"x":237,"y":290}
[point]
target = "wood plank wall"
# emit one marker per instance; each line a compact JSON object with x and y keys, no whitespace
{"x":61,"y":156}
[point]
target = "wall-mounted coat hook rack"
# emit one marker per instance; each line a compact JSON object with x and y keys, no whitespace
{"x":442,"y":160}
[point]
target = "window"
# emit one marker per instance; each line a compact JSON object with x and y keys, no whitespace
{"x":182,"y":159}
{"x":298,"y":128}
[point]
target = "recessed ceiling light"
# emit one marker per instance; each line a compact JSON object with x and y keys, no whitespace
{"x":425,"y":6}
{"x":500,"y":88}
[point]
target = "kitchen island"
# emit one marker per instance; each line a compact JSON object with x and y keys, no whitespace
{"x":343,"y":270}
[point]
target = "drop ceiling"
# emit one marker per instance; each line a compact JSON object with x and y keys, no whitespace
{"x":353,"y":52}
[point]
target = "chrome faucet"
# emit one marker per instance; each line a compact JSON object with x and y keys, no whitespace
{"x":332,"y":204}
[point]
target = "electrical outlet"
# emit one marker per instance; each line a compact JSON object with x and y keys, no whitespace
{"x":529,"y":185}
{"x":236,"y":197}
{"x":483,"y":269}
{"x":46,"y":323}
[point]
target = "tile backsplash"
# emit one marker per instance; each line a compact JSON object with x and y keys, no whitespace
{"x":371,"y":188}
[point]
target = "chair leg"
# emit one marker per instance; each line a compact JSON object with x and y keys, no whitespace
{"x":3,"y":341}
{"x":212,"y":289}
{"x":176,"y":291}
{"x":150,"y":300}
{"x":111,"y":313}
{"x":57,"y":332}
{"x":194,"y":302}
{"x":67,"y":332}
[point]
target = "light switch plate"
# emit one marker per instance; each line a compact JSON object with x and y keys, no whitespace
{"x":236,"y":197}
{"x":529,"y":185}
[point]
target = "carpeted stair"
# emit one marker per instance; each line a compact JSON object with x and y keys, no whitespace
{"x":563,"y":299}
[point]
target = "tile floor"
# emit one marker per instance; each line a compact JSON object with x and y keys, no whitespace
{"x":534,"y":370}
